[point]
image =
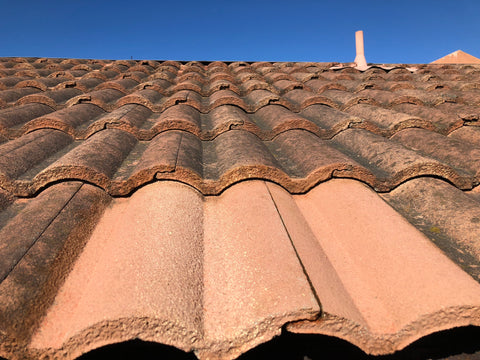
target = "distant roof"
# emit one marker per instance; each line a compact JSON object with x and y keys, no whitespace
{"x":457,"y":57}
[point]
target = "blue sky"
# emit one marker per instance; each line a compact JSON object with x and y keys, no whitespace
{"x":296,"y":30}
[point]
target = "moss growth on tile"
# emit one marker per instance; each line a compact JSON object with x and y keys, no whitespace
{"x":435,"y":229}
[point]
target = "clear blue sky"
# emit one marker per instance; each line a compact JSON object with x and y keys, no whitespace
{"x":395,"y":31}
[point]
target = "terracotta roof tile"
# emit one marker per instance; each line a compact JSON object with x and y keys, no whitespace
{"x":445,"y":214}
{"x":213,"y":206}
{"x":457,"y":57}
{"x":55,"y":226}
{"x":199,"y":292}
{"x":373,"y":309}
{"x":455,"y":153}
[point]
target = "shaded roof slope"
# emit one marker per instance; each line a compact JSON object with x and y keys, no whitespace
{"x":130,"y":195}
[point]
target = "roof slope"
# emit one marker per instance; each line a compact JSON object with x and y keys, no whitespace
{"x":211,"y":206}
{"x":457,"y":57}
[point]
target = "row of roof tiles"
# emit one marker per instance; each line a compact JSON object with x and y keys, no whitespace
{"x":295,"y":99}
{"x":296,"y":159}
{"x":169,"y":81}
{"x":199,"y":77}
{"x":45,"y":63}
{"x":82,"y":120}
{"x":173,"y":266}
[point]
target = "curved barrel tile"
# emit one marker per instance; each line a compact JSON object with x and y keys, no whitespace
{"x":70,"y":120}
{"x":386,"y":122}
{"x":249,"y":294}
{"x":85,"y":162}
{"x":104,"y":98}
{"x":12,"y":118}
{"x":130,"y":118}
{"x":300,"y":99}
{"x":11,"y":96}
{"x":234,"y":156}
{"x":330,"y":119}
{"x":40,"y":239}
{"x":139,"y":276}
{"x":19,"y":156}
{"x":393,"y":163}
{"x":456,"y":153}
{"x":309,"y":160}
{"x":275,"y":119}
{"x":449,"y":217}
{"x":172,"y":266}
{"x":443,"y":123}
{"x":156,"y":159}
{"x":342,"y":247}
{"x":225,"y":118}
{"x":467,"y":134}
{"x":178,"y":117}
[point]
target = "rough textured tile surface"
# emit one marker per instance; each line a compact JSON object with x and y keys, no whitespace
{"x":375,"y":309}
{"x":203,"y":275}
{"x":446,"y":215}
{"x":40,"y":240}
{"x":211,"y":206}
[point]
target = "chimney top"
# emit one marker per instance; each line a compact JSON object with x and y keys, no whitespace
{"x":360,"y":61}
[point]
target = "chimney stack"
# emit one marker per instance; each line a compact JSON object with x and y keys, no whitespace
{"x":360,"y":60}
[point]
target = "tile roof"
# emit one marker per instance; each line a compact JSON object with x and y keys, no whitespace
{"x":457,"y":57}
{"x":212,"y":206}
